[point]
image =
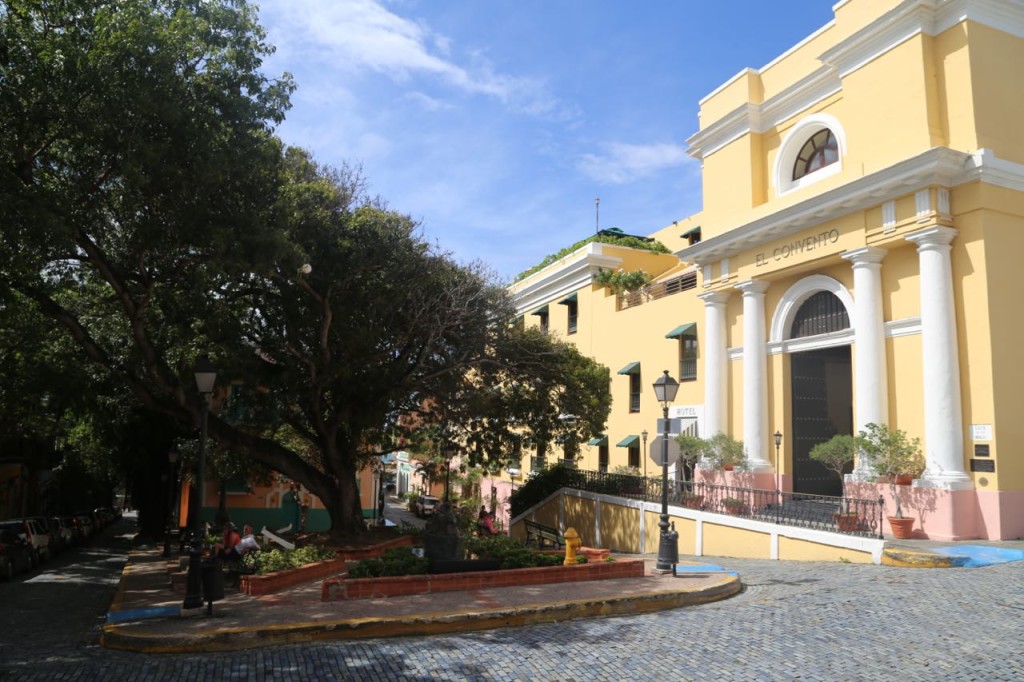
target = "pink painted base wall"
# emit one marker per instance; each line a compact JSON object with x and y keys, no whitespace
{"x":940,"y":514}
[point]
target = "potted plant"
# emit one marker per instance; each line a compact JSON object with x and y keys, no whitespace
{"x":734,"y":505}
{"x":691,"y":500}
{"x":724,"y":451}
{"x":837,"y":455}
{"x":690,"y":449}
{"x":893,"y":454}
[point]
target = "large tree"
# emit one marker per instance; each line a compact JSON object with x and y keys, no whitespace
{"x":146,"y":207}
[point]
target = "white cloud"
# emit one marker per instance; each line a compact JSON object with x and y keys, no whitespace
{"x":622,"y":163}
{"x":356,"y":35}
{"x":426,"y":102}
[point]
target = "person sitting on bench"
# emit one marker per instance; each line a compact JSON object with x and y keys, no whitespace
{"x":243,"y":546}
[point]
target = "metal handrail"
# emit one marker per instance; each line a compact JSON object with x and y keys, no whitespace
{"x":847,"y":515}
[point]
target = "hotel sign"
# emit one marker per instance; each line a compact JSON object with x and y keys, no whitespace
{"x":797,"y":247}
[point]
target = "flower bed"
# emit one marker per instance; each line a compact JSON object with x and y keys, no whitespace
{"x":341,"y":588}
{"x":256,"y":585}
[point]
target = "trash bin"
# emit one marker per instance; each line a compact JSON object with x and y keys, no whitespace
{"x":213,"y":581}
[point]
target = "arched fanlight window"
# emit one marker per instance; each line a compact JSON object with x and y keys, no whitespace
{"x":820,"y":314}
{"x":819,"y":151}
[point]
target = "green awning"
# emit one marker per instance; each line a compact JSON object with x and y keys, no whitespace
{"x":689,"y":232}
{"x":571,"y":298}
{"x":631,"y":368}
{"x":688,"y":329}
{"x":543,"y":310}
{"x":603,"y":440}
{"x":628,"y":442}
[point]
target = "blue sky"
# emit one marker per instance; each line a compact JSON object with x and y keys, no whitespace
{"x":496,"y":123}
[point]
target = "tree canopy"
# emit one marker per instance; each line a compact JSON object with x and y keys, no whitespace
{"x":147,"y":208}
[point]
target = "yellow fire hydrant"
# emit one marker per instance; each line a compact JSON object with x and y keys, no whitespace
{"x":572,"y":543}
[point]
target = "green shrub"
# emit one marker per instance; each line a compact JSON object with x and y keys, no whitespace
{"x":625,"y":240}
{"x":270,"y":561}
{"x":394,"y":562}
{"x":511,"y":552}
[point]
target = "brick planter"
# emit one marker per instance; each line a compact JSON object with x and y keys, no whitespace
{"x":339,"y":589}
{"x":256,"y":585}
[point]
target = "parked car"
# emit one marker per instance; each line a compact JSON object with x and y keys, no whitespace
{"x":426,"y":505}
{"x":38,"y":535}
{"x":64,"y":530}
{"x":85,"y":522}
{"x":15,"y":554}
{"x":54,"y":539}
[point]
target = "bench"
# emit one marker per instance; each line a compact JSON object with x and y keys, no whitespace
{"x":542,"y":536}
{"x":234,"y":570}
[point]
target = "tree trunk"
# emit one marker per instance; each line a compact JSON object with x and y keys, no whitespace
{"x":345,"y":507}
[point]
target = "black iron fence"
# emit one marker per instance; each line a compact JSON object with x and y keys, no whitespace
{"x":849,"y":515}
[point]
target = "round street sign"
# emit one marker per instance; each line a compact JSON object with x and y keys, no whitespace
{"x":657,"y":448}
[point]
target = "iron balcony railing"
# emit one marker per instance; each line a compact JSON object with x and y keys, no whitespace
{"x":652,"y":292}
{"x":848,"y":515}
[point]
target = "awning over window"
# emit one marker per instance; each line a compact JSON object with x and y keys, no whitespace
{"x":688,"y":329}
{"x":686,"y":234}
{"x":571,"y":298}
{"x":603,"y":440}
{"x":628,"y":442}
{"x":631,"y":368}
{"x":543,"y":310}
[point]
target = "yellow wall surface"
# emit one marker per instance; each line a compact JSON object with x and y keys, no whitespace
{"x":620,"y":528}
{"x":802,"y":550}
{"x":998,"y":95}
{"x":735,"y":542}
{"x":579,"y":514}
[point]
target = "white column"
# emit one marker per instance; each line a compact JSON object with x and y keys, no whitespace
{"x":716,"y":375}
{"x":871,"y":397}
{"x":755,"y":375}
{"x":943,"y":417}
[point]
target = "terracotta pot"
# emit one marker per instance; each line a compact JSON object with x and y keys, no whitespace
{"x":904,"y":479}
{"x":737,"y":509}
{"x":902,"y":528}
{"x":693,"y":501}
{"x":727,"y":467}
{"x":846,"y":522}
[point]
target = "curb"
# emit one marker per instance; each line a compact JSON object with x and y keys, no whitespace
{"x":121,"y":638}
{"x":906,"y":558}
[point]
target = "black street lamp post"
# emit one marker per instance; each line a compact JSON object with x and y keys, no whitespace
{"x":206,"y":377}
{"x":172,"y":458}
{"x":665,"y":389}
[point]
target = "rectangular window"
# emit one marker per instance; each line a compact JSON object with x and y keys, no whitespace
{"x":687,"y":358}
{"x":543,"y":320}
{"x":634,"y":392}
{"x":573,"y":309}
{"x":602,"y":458}
{"x":634,"y":456}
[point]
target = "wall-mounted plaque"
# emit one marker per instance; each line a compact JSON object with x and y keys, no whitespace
{"x":987,"y":465}
{"x":981,"y":450}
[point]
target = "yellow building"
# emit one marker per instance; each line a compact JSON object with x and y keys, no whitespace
{"x":863,"y":206}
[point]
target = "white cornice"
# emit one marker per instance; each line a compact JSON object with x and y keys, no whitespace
{"x":558,"y":280}
{"x":939,"y":166}
{"x":909,"y":18}
{"x":758,"y":118}
{"x":913,"y":17}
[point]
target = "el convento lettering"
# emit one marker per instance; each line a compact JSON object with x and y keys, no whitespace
{"x":794,"y":248}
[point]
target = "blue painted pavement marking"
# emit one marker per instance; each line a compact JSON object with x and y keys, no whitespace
{"x":140,"y":614}
{"x":979,"y":555}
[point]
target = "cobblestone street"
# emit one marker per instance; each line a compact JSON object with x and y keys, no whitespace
{"x":814,"y":621}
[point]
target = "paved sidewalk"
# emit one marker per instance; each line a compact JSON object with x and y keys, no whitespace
{"x":146,"y":613}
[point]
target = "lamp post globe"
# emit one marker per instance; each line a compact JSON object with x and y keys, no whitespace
{"x":665,"y":388}
{"x":206,"y":378}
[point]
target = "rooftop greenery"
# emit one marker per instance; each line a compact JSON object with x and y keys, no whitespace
{"x":625,"y":240}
